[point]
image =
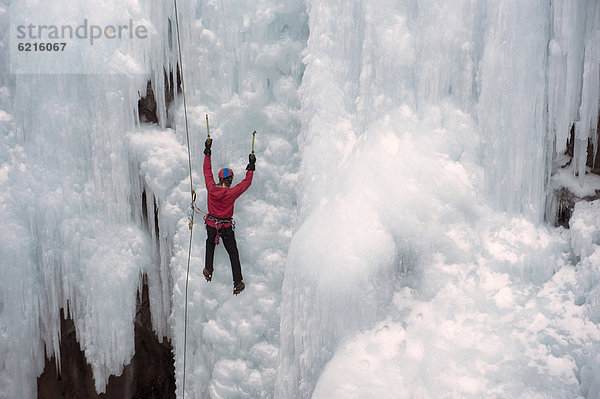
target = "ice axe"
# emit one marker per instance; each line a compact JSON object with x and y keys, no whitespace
{"x":207,"y":128}
{"x":253,"y":135}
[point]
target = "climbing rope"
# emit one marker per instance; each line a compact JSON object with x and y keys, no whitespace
{"x":193,"y":207}
{"x":187,"y":135}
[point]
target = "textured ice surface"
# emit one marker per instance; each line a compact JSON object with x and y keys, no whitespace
{"x":69,"y":239}
{"x":377,"y":255}
{"x":585,"y":228}
{"x":422,"y":123}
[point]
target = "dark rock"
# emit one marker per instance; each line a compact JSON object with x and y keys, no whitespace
{"x":149,"y":375}
{"x":147,"y":106}
{"x":561,"y":205}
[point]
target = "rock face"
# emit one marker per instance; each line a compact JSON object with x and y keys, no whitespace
{"x":562,"y":204}
{"x":566,"y":192}
{"x":150,"y":375}
{"x":147,"y":107}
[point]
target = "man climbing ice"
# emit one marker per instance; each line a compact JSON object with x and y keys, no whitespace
{"x":219,"y":221}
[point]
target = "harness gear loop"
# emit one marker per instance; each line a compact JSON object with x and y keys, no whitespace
{"x":219,"y":224}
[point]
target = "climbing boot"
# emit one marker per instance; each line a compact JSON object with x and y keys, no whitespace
{"x":238,"y":287}
{"x":207,"y":274}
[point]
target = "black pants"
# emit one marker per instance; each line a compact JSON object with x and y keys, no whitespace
{"x":228,"y":237}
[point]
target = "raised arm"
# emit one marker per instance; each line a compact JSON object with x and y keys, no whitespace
{"x":207,"y":169}
{"x":244,"y":184}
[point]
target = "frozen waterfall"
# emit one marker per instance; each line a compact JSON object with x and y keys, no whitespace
{"x":398,"y":239}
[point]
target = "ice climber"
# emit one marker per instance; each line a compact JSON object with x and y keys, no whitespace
{"x":219,"y":221}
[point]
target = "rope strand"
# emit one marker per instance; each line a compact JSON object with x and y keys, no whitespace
{"x":187,"y":135}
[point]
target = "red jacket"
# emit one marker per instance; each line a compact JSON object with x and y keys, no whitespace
{"x":221,"y":199}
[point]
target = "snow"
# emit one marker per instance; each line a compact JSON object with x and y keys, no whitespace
{"x":407,"y":232}
{"x":564,"y":178}
{"x":392,"y":241}
{"x":469,"y":330}
{"x":585,"y":227}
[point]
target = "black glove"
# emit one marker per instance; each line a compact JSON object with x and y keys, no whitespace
{"x":252,"y":162}
{"x":207,"y":145}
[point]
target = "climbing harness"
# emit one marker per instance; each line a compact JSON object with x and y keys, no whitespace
{"x":220,"y":224}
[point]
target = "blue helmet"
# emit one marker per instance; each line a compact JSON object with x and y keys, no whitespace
{"x":225,"y":173}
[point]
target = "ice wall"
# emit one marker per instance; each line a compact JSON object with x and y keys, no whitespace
{"x":551,"y":66}
{"x":70,"y":239}
{"x":372,"y":150}
{"x":423,"y":122}
{"x":242,"y":66}
{"x":92,"y":201}
{"x":417,"y":122}
{"x":512,"y":105}
{"x":573,"y":85}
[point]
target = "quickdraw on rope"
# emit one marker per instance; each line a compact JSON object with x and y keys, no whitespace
{"x":191,"y":224}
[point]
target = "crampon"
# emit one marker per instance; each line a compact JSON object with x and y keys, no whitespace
{"x":238,"y":287}
{"x":207,"y":274}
